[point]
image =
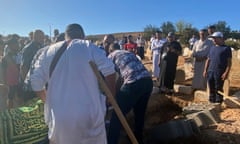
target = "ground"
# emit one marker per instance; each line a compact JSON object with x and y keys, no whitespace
{"x":162,"y":109}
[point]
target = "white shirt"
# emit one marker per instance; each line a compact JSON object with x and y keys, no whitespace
{"x":74,"y":108}
{"x":157,"y":45}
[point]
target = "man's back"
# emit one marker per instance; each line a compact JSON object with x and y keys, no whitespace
{"x":74,"y":102}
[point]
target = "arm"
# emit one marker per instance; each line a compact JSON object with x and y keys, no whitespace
{"x":205,"y":68}
{"x":41,"y":94}
{"x":225,"y":74}
{"x":110,"y":81}
{"x":105,"y":66}
{"x":154,"y":47}
{"x":39,"y":75}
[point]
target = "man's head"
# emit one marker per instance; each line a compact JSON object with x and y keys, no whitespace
{"x":158,"y":35}
{"x":171,"y":36}
{"x":218,"y":38}
{"x":211,"y":29}
{"x":38,"y":36}
{"x":13,"y":45}
{"x":130,"y":38}
{"x":60,"y":37}
{"x":74,"y":31}
{"x":56,"y":32}
{"x":113,"y":47}
{"x":108,"y":39}
{"x":203,"y":34}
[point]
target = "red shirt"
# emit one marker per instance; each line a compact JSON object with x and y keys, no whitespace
{"x":132,"y":47}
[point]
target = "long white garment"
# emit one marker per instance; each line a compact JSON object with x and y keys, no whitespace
{"x":200,"y":51}
{"x":74,"y":108}
{"x":156,"y":48}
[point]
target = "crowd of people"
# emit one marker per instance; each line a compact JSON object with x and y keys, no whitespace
{"x":58,"y":72}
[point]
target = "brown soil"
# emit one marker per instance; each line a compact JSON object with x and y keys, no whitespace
{"x":162,"y":108}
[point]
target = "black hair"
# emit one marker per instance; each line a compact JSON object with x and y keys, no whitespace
{"x":74,"y":31}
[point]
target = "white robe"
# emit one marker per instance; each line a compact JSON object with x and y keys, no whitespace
{"x":156,"y":48}
{"x":74,"y":108}
{"x":200,"y":49}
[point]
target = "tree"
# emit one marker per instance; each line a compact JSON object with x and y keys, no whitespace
{"x":185,"y":31}
{"x":167,"y":27}
{"x":182,"y":25}
{"x":149,"y":30}
{"x":222,"y":27}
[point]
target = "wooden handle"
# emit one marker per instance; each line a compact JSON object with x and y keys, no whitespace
{"x":230,"y":98}
{"x":114,"y":104}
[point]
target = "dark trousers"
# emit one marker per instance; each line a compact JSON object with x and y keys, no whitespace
{"x":170,"y":71}
{"x":215,"y":84}
{"x":131,"y":96}
{"x":140,"y":52}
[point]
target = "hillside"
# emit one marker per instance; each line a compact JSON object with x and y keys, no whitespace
{"x":116,"y":35}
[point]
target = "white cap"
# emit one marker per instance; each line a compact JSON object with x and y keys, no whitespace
{"x":216,"y":34}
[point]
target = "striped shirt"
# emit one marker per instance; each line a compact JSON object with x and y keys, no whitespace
{"x":128,"y":66}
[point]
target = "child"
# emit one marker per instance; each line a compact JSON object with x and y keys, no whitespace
{"x":217,"y":67}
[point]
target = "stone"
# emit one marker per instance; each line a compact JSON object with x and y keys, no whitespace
{"x":201,"y":96}
{"x":180,"y":76}
{"x":183,"y":89}
{"x":197,"y":107}
{"x":174,"y":129}
{"x":204,"y":118}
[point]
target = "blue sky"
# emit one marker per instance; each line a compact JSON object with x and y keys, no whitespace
{"x":111,"y":16}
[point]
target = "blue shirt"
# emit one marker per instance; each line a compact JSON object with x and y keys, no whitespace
{"x":128,"y":66}
{"x":218,"y":58}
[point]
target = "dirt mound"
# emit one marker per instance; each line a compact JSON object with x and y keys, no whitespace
{"x":162,"y":109}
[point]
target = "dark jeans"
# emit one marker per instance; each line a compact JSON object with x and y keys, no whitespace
{"x":215,"y":84}
{"x":140,"y":52}
{"x":131,"y":96}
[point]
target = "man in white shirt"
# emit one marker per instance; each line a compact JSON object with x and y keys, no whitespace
{"x":156,"y":48}
{"x":74,"y":106}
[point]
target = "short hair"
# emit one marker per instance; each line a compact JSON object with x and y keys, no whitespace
{"x":129,"y":36}
{"x":74,"y":31}
{"x":170,"y":34}
{"x":212,"y":27}
{"x":114,"y":46}
{"x":109,"y":38}
{"x":37,"y":34}
{"x":203,"y":30}
{"x":60,"y":37}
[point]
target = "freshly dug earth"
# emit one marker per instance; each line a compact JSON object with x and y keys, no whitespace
{"x":162,"y":109}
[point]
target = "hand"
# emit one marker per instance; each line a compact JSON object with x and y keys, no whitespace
{"x":204,"y":73}
{"x":224,"y":76}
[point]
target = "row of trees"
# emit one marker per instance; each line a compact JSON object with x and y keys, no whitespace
{"x":184,"y":30}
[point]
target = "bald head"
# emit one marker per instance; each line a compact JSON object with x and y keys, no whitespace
{"x":74,"y":31}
